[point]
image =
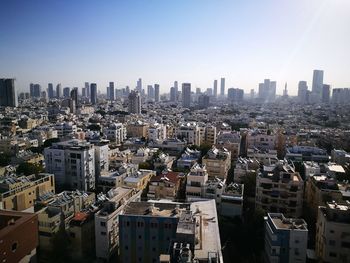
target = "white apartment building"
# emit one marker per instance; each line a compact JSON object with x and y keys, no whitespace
{"x":73,"y":164}
{"x":231,"y":141}
{"x":115,"y":132}
{"x":101,"y":158}
{"x":65,"y":129}
{"x":196,"y":180}
{"x":217,"y":162}
{"x":261,"y":139}
{"x":157,"y":132}
{"x":190,"y":132}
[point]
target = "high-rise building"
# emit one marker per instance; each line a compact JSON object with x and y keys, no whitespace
{"x":93,"y":93}
{"x":215,"y":88}
{"x":341,"y":96}
{"x":302,"y":92}
{"x":150,"y":92}
{"x":66,"y":92}
{"x":222,"y":87}
{"x":139,"y":85}
{"x":8,"y":94}
{"x":176,"y":86}
{"x":37,"y":91}
{"x":209,"y":92}
{"x":156,"y":92}
{"x":235,"y":95}
{"x":110,"y":94}
{"x":83,"y":92}
{"x":252,"y":94}
{"x":326,"y":92}
{"x":317,"y":85}
{"x":50,"y":92}
{"x":74,"y":96}
{"x":31,"y":90}
{"x":58,"y":91}
{"x":87,"y":89}
{"x":198,"y":91}
{"x":267,"y":90}
{"x":203,"y":101}
{"x":172,"y":94}
{"x":134,"y":102}
{"x":186,"y":95}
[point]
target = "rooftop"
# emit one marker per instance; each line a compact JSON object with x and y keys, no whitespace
{"x":281,"y":222}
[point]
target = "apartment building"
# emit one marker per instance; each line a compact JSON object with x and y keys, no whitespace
{"x":196,"y":180}
{"x":217,"y":162}
{"x":230,"y":141}
{"x":245,"y":167}
{"x":115,"y":132}
{"x":333,"y":233}
{"x":137,"y":129}
{"x":189,"y":132}
{"x":280,"y":189}
{"x":73,"y":164}
{"x":188,"y":158}
{"x":157,"y":132}
{"x":261,"y":139}
{"x":165,"y":185}
{"x":139,"y":179}
{"x":106,"y":221}
{"x":20,"y":193}
{"x":285,"y":239}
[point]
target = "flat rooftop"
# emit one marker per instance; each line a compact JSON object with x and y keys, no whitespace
{"x":281,"y":222}
{"x":155,"y":209}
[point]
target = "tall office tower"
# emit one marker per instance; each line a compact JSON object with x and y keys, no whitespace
{"x":326,"y":93}
{"x":222,"y":87}
{"x":317,"y":85}
{"x":285,"y":91}
{"x":186,"y":95}
{"x":203,"y":101}
{"x":176,"y":86}
{"x":150,"y":92}
{"x":66,"y":92}
{"x":37,"y":91}
{"x":83,"y":92}
{"x":93,"y":93}
{"x":209,"y":91}
{"x":198,"y":91}
{"x":43,"y":96}
{"x":235,"y":95}
{"x":50,"y":92}
{"x":156,"y":92}
{"x":173,"y":94}
{"x":58,"y":91}
{"x":341,"y":96}
{"x":302,"y":92}
{"x":31,"y":90}
{"x":134,"y":102}
{"x":8,"y":94}
{"x":272,"y":91}
{"x":127,"y":90}
{"x":139,"y":85}
{"x":215,"y":88}
{"x":87,"y":89}
{"x":74,"y":96}
{"x":111,"y":91}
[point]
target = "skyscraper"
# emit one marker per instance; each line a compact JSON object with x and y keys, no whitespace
{"x":31,"y":90}
{"x":302,"y":92}
{"x":66,"y":92}
{"x":134,"y":102}
{"x":222,"y":87}
{"x":317,"y":85}
{"x":93,"y":93}
{"x":150,"y":91}
{"x":87,"y":89}
{"x":173,"y":94}
{"x":156,"y":92}
{"x":139,"y":85}
{"x":176,"y":86}
{"x":326,"y":91}
{"x":37,"y":91}
{"x":267,"y":90}
{"x":235,"y":95}
{"x":111,"y":91}
{"x":50,"y":92}
{"x":215,"y":88}
{"x":8,"y":95}
{"x":58,"y":91}
{"x":74,"y":95}
{"x":186,"y":95}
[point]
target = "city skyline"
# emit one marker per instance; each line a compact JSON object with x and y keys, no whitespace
{"x":197,"y":42}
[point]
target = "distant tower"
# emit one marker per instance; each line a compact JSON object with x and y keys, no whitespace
{"x":156,"y":92}
{"x":87,"y":89}
{"x":58,"y":91}
{"x":222,"y":87}
{"x":111,"y":91}
{"x":252,"y":94}
{"x":326,"y":91}
{"x":93,"y":93}
{"x":285,"y":91}
{"x":215,"y":88}
{"x":66,"y":92}
{"x":186,"y":95}
{"x":37,"y":91}
{"x":134,"y":102}
{"x":74,"y":96}
{"x":139,"y":85}
{"x":8,"y":94}
{"x":317,"y":85}
{"x":50,"y":92}
{"x":172,"y":94}
{"x":302,"y":92}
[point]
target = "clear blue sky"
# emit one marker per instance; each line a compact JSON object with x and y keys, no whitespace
{"x":197,"y":41}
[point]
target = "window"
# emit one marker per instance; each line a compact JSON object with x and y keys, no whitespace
{"x":331,"y":231}
{"x":345,"y":244}
{"x":140,"y":236}
{"x":72,"y":235}
{"x":331,"y":242}
{"x":103,"y":223}
{"x":333,"y":255}
{"x":103,"y":233}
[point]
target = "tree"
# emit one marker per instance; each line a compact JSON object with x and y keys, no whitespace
{"x":29,"y":168}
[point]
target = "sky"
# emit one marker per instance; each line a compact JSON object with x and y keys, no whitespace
{"x":196,"y":41}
